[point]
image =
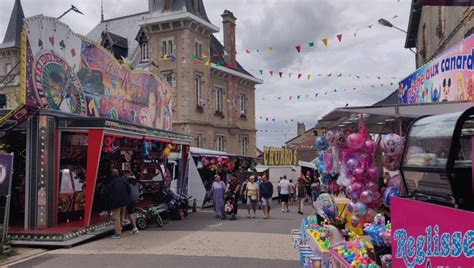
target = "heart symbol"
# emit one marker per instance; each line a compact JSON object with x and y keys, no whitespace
{"x":40,"y":43}
{"x":73,"y":52}
{"x":51,"y":40}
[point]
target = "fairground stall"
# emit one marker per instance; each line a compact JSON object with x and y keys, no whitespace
{"x":81,"y":113}
{"x":205,"y":163}
{"x":418,"y":147}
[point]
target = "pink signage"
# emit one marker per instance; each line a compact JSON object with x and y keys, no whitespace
{"x":427,"y":235}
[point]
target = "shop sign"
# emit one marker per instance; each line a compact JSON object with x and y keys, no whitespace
{"x":273,"y":156}
{"x":65,"y":71}
{"x":442,"y":237}
{"x":447,"y":77}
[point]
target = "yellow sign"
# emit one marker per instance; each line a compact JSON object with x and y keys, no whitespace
{"x":273,"y":156}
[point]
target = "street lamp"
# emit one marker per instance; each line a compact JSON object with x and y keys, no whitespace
{"x":73,"y":8}
{"x":387,"y":23}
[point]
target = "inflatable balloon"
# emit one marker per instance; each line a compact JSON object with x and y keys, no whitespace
{"x":334,"y":187}
{"x":352,"y":164}
{"x":369,"y":146}
{"x":321,"y":168}
{"x":355,"y":141}
{"x":359,"y":173}
{"x":350,"y":207}
{"x":395,"y":181}
{"x":355,"y":220}
{"x":353,"y":192}
{"x":326,"y":206}
{"x":360,"y":209}
{"x":392,"y":144}
{"x":331,"y":137}
{"x":365,"y":160}
{"x":389,"y":192}
{"x":366,"y":197}
{"x":371,"y":213}
{"x":391,"y":163}
{"x":321,"y":143}
{"x":341,"y":135}
{"x":327,"y":160}
{"x":325,"y":178}
{"x":362,"y":129}
{"x":372,"y":186}
{"x":166,"y":152}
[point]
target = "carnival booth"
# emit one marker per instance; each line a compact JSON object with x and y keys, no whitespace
{"x":80,"y":114}
{"x":205,"y":163}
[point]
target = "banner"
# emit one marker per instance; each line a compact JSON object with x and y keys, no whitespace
{"x":273,"y":156}
{"x":442,"y":237}
{"x":448,"y":77}
{"x":64,"y":71}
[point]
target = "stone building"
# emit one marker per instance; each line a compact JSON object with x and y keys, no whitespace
{"x":10,"y":59}
{"x":214,"y":97}
{"x":434,"y":28}
{"x":304,"y":142}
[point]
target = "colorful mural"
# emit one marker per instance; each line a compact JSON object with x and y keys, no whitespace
{"x":448,"y":77}
{"x":64,"y":71}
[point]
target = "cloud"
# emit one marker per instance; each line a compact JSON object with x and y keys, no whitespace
{"x":283,"y":24}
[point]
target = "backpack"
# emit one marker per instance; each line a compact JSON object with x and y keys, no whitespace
{"x":134,"y":192}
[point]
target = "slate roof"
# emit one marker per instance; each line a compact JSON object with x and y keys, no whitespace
{"x":117,"y":40}
{"x":217,"y":56}
{"x":13,"y":35}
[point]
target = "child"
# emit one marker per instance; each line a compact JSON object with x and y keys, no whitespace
{"x":228,"y":207}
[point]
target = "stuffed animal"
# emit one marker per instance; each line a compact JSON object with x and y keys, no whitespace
{"x":108,"y":142}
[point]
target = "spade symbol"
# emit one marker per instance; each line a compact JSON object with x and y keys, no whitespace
{"x":40,"y":43}
{"x":62,"y":45}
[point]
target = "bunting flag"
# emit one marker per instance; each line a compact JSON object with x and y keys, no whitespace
{"x":316,"y":95}
{"x":309,"y":76}
{"x":355,"y":34}
{"x":280,"y":73}
{"x":339,"y":37}
{"x":289,"y":75}
{"x":298,"y":97}
{"x":207,"y":62}
{"x":204,"y":56}
{"x":291,"y":97}
{"x":329,"y":74}
{"x":258,"y":50}
{"x":339,"y":75}
{"x":299,"y":76}
{"x":270,"y":48}
{"x":271,"y":72}
{"x":325,"y":41}
{"x":261,"y":72}
{"x":370,"y":26}
{"x":311,"y":44}
{"x":298,"y":48}
{"x":394,"y":17}
{"x":247,"y":51}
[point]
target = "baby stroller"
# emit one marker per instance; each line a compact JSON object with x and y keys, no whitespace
{"x":231,"y":198}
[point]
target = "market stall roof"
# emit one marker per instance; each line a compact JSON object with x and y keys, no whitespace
{"x":380,"y":118}
{"x":207,"y":152}
{"x":306,"y":164}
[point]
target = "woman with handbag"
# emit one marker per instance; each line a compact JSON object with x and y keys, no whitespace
{"x":252,"y":195}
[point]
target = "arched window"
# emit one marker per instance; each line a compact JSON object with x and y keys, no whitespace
{"x":144,"y":47}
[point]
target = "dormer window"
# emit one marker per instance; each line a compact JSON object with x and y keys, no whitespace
{"x":144,"y":48}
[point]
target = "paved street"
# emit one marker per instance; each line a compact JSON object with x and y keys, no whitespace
{"x":200,"y":241}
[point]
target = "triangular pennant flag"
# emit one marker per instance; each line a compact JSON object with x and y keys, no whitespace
{"x":204,"y":56}
{"x":270,"y":48}
{"x":183,"y":59}
{"x":307,"y":95}
{"x":309,"y":76}
{"x":370,"y":26}
{"x":339,"y":75}
{"x":280,"y":73}
{"x":353,"y":88}
{"x":271,"y":72}
{"x":391,"y":83}
{"x":290,"y":97}
{"x":261,"y":72}
{"x":229,"y":65}
{"x":394,"y":17}
{"x":330,"y":74}
{"x":413,"y":10}
{"x":299,"y":76}
{"x":298,"y":48}
{"x":358,"y":77}
{"x":173,"y":58}
{"x":207,"y":63}
{"x":216,"y":54}
{"x":257,"y":50}
{"x":339,"y":37}
{"x":335,"y":90}
{"x":273,"y":119}
{"x":325,"y":93}
{"x":279,"y":98}
{"x":266,"y":119}
{"x":289,"y":75}
{"x":355,"y":34}
{"x":193,"y":57}
{"x":260,"y":117}
{"x":298,"y":96}
{"x":228,"y":101}
{"x":218,"y":64}
{"x":247,"y":51}
{"x":325,"y":41}
{"x":378,"y":77}
{"x":316,"y":95}
{"x":292,"y":120}
{"x":311,"y":44}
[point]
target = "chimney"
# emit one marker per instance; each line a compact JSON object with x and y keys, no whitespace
{"x":228,"y":22}
{"x":301,"y":128}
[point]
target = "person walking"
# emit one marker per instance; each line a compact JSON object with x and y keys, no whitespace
{"x":252,"y":195}
{"x":301,"y":194}
{"x":243,"y":190}
{"x":266,"y":193}
{"x":217,"y":191}
{"x":292,"y":192}
{"x":279,"y":190}
{"x":134,"y":198}
{"x":117,"y":194}
{"x":284,"y":193}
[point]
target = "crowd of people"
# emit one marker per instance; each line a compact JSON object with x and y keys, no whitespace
{"x":257,"y":192}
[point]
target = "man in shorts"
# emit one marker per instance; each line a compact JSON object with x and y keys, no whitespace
{"x":284,"y":193}
{"x":266,"y":193}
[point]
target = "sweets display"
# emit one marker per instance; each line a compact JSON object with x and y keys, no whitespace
{"x":356,"y":253}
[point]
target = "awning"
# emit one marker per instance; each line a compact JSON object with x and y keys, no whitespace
{"x":306,"y":164}
{"x":384,"y":118}
{"x":207,"y":152}
{"x":261,"y":169}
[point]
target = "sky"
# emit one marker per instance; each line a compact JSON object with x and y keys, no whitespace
{"x":367,"y":50}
